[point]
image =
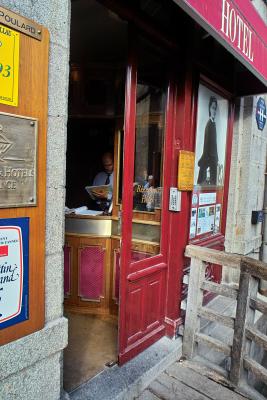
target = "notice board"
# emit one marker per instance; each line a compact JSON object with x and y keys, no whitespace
{"x":24,"y":47}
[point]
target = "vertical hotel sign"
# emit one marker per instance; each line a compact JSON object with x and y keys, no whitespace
{"x":14,"y":254}
{"x":9,"y":65}
{"x":237,"y":26}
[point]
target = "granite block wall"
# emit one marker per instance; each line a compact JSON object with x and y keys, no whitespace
{"x":246,"y":189}
{"x":37,"y":370}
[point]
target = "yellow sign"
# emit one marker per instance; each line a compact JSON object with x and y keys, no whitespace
{"x":186,"y":166}
{"x":9,"y":66}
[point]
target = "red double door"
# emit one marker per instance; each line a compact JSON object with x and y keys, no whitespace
{"x":143,"y":278}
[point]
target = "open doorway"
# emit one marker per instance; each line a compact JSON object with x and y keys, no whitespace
{"x":96,"y":113}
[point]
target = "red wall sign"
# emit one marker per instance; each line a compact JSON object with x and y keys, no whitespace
{"x":237,"y":26}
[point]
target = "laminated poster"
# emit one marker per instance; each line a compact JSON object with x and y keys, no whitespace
{"x":14,"y":263}
{"x":218,"y":217}
{"x":193,"y":223}
{"x":206,"y":219}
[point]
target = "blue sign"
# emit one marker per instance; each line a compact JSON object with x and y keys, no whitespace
{"x":261,"y":113}
{"x":14,"y":271}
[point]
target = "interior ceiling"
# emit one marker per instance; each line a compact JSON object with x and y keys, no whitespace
{"x":94,"y":30}
{"x":99,"y":35}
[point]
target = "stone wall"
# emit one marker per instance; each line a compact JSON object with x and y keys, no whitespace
{"x":246,"y":188}
{"x":31,"y":366}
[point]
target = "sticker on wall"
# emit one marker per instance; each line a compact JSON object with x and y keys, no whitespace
{"x":9,"y":66}
{"x":14,"y":266}
{"x":217,"y":217}
{"x":193,"y":223}
{"x":207,"y":198}
{"x":194,"y":199}
{"x":261,"y":113}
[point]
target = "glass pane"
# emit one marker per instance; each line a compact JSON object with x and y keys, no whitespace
{"x":150,"y":117}
{"x":149,"y":146}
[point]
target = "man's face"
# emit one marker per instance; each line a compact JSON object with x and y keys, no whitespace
{"x":107,"y":164}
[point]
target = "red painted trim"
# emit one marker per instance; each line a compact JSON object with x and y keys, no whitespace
{"x":183,"y":108}
{"x":127,"y":195}
{"x":172,"y":326}
{"x":146,"y":271}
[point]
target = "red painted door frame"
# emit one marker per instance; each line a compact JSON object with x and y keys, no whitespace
{"x":217,"y":240}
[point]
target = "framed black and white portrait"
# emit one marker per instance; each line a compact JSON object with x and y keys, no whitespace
{"x":211,"y":135}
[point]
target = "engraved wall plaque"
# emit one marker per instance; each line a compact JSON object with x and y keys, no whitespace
{"x":18,"y":149}
{"x":20,"y":23}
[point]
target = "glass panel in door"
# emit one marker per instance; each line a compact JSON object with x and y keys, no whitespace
{"x":149,"y":148}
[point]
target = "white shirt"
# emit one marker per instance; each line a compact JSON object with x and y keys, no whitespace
{"x":101,"y":177}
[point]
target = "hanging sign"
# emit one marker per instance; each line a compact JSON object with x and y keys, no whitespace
{"x":186,"y":170}
{"x":9,"y":66}
{"x":237,"y":26}
{"x":14,"y":256}
{"x":261,"y":114}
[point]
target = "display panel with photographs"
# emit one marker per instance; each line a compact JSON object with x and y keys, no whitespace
{"x":210,"y":159}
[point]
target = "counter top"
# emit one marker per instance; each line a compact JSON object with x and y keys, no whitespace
{"x":99,"y":225}
{"x":93,"y":217}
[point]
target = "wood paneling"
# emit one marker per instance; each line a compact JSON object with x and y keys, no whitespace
{"x":76,"y":302}
{"x":33,"y":90}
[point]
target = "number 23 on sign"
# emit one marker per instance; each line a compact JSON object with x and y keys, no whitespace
{"x":9,"y":66}
{"x":5,"y":70}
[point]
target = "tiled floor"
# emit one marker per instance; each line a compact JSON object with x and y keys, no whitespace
{"x":92,"y":343}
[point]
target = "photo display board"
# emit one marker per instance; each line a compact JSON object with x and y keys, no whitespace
{"x":210,"y":159}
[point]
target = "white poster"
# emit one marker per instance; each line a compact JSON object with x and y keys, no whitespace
{"x":207,"y":198}
{"x":11,"y":272}
{"x":212,"y":122}
{"x":193,"y":223}
{"x":205,"y":220}
{"x":218,"y":217}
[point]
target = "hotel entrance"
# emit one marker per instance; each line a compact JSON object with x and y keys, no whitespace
{"x":117,"y":175}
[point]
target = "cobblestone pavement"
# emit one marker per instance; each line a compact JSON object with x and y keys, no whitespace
{"x":189,"y":381}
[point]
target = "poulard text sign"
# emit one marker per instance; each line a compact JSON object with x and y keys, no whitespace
{"x":21,"y":24}
{"x":237,"y":26}
{"x":9,"y":66}
{"x":14,"y":254}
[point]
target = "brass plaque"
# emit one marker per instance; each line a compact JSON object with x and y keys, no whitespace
{"x":18,"y":149}
{"x":20,"y":23}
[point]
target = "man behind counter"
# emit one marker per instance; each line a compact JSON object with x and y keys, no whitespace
{"x":104,"y":177}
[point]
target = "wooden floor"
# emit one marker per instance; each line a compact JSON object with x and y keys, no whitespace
{"x":189,"y":381}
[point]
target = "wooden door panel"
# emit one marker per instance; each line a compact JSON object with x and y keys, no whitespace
{"x":145,"y":306}
{"x":154,"y":301}
{"x":135,"y":322}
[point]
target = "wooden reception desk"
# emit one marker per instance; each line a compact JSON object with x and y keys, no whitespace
{"x":92,"y":263}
